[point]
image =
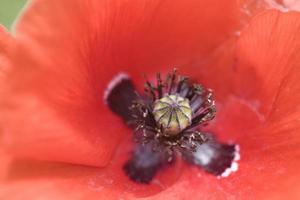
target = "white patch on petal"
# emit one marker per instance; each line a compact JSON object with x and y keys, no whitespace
{"x":274,"y":5}
{"x":204,"y":154}
{"x":234,"y":165}
{"x":292,"y":4}
{"x":113,"y":83}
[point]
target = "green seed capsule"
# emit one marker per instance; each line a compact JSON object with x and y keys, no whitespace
{"x":173,"y":113}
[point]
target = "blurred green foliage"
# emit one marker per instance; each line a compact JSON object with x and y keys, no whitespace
{"x":9,"y":10}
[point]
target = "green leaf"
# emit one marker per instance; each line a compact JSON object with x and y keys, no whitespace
{"x":9,"y":10}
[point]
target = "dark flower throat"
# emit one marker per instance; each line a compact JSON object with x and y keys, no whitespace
{"x":166,"y":122}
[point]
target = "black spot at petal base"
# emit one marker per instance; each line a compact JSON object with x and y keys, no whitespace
{"x":119,"y":99}
{"x":213,"y":156}
{"x":145,"y":163}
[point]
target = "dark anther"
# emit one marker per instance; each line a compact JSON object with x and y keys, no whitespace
{"x":170,"y":111}
{"x":173,"y":77}
{"x":159,"y":85}
{"x":167,"y":121}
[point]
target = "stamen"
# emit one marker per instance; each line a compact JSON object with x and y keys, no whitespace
{"x":196,"y":103}
{"x":167,"y":121}
{"x":150,"y":88}
{"x":172,"y":114}
{"x":182,"y":80}
{"x":173,"y":77}
{"x":159,"y":85}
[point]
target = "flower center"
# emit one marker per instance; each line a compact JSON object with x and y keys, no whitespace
{"x":169,"y":114}
{"x":167,"y":120}
{"x":173,"y":113}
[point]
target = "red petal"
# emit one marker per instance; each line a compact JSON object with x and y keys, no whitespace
{"x":267,"y":74}
{"x":6,"y":45}
{"x":67,"y":53}
{"x":34,"y":180}
{"x":267,"y":60}
{"x":267,"y":158}
{"x":268,"y":168}
{"x":130,"y":35}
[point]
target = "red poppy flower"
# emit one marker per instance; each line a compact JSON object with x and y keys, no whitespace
{"x":62,"y":141}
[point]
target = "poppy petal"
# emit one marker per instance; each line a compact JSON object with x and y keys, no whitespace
{"x":267,"y":57}
{"x":6,"y":43}
{"x":267,"y":71}
{"x":265,"y":152}
{"x":63,"y":64}
{"x":109,"y":28}
{"x":50,"y":180}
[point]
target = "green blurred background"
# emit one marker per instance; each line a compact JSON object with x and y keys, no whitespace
{"x":9,"y":9}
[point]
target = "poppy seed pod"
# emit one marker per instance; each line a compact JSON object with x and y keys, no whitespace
{"x":173,"y":113}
